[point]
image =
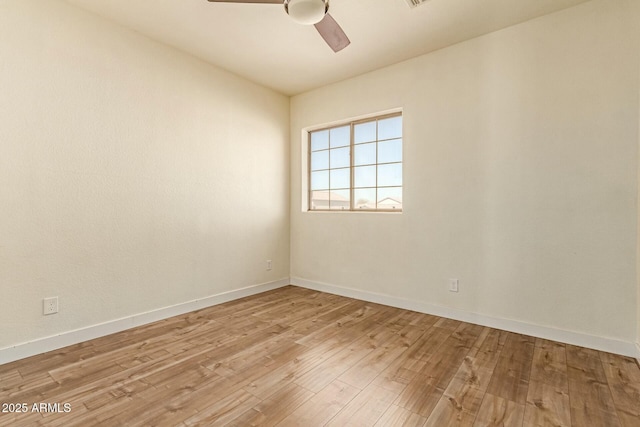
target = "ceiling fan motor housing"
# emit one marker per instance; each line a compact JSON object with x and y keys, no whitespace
{"x":306,"y":12}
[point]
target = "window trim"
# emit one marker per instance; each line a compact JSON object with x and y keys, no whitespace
{"x":352,"y":144}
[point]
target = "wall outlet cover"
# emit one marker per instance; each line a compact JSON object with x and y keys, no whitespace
{"x":50,"y":306}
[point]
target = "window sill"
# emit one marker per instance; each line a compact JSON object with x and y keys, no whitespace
{"x":320,"y":211}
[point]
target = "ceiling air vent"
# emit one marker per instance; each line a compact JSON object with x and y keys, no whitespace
{"x":414,"y":3}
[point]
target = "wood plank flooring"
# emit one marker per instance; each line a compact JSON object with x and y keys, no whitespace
{"x":296,"y":357}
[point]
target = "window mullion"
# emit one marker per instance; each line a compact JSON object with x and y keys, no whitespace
{"x":310,"y":192}
{"x":329,"y":172}
{"x":376,"y":199}
{"x":351,"y":169}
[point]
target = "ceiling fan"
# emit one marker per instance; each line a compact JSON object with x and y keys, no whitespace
{"x":309,"y":12}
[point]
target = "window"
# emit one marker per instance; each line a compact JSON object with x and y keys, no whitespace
{"x":357,"y":166}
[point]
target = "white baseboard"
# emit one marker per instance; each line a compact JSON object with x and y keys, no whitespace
{"x":638,"y":353}
{"x":569,"y":337}
{"x":43,"y":345}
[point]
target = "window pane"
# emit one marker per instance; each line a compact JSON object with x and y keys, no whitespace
{"x":365,"y":154}
{"x":320,"y":180}
{"x":319,"y":200}
{"x":340,"y":178}
{"x":320,"y":160}
{"x":365,"y":176}
{"x":390,"y":151}
{"x":390,"y":175}
{"x":390,"y":128}
{"x":339,"y":199}
{"x":390,"y":198}
{"x":319,"y":140}
{"x":340,"y":136}
{"x":357,"y":166}
{"x":364,"y":132}
{"x":365,"y":199}
{"x":339,"y":158}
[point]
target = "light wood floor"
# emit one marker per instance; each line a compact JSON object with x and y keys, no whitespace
{"x":295,"y":357}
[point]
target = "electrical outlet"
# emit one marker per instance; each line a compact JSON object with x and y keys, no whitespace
{"x":50,"y":306}
{"x":269,"y":265}
{"x":453,"y":285}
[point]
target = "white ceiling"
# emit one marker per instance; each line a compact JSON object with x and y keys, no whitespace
{"x":261,"y":43}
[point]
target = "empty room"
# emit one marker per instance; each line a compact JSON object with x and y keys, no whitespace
{"x":310,"y":213}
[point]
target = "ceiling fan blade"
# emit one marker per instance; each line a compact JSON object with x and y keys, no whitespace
{"x":332,"y":33}
{"x":247,"y":1}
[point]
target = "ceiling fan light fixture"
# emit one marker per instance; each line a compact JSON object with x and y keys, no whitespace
{"x":306,"y":12}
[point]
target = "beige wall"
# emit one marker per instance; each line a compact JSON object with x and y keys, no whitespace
{"x":520,"y":174}
{"x":132,"y":176}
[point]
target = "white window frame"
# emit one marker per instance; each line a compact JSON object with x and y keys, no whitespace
{"x":307,"y":153}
